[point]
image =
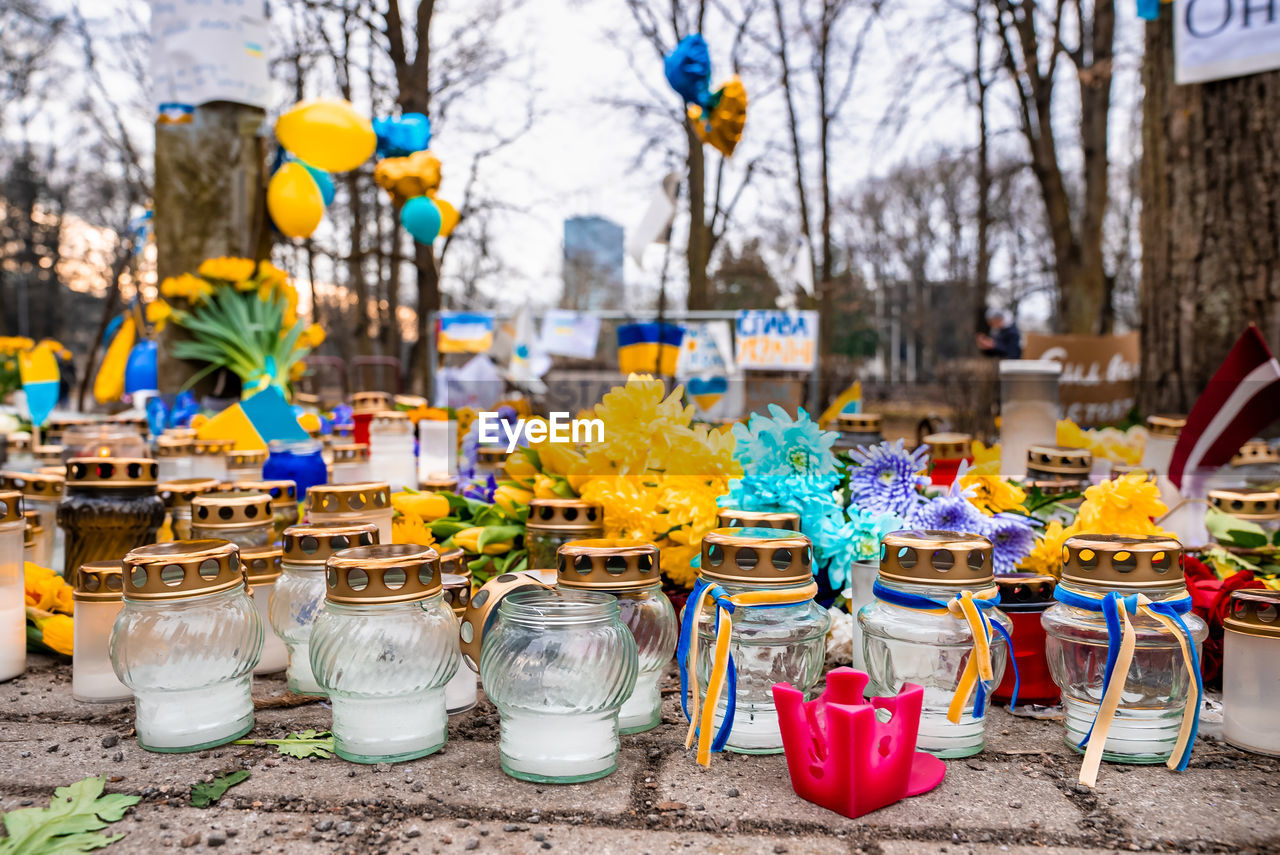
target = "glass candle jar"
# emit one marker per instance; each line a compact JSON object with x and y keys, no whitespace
{"x":369,"y":502}
{"x":460,"y":694}
{"x":946,"y":452}
{"x":391,"y":457}
{"x":41,"y":493}
{"x":630,"y":572}
{"x":246,"y":464}
{"x":98,"y":593}
{"x":491,"y":460}
{"x":1162,"y":436}
{"x":103,"y":439}
{"x":364,"y":405}
{"x":858,"y":429}
{"x":910,"y":634}
{"x":350,"y":463}
{"x":1047,"y":462}
{"x":262,"y":569}
{"x":1250,"y":671}
{"x":784,"y":642}
{"x":110,"y":507}
{"x":1260,"y":507}
{"x":176,"y":458}
{"x":32,"y":534}
{"x":186,"y":643}
{"x":299,"y":462}
{"x":209,"y":458}
{"x":1028,"y":410}
{"x":18,"y":456}
{"x":243,"y":518}
{"x":1256,"y":465}
{"x":284,"y":500}
{"x":1025,"y":597}
{"x":554,"y":522}
{"x":384,"y":648}
{"x":48,"y":455}
{"x":178,"y":496}
{"x":13,"y":603}
{"x":558,"y":665}
{"x":439,"y":482}
{"x":298,"y":596}
{"x":734,"y":518}
{"x":1150,"y":695}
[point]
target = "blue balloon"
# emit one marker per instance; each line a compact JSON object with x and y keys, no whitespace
{"x":140,"y":371}
{"x":688,"y":70}
{"x":323,"y":181}
{"x":401,"y":137}
{"x":421,"y":218}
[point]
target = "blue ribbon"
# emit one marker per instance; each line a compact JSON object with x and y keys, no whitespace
{"x":918,"y":602}
{"x":687,"y":629}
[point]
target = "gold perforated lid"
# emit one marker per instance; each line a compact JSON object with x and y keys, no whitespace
{"x":859,"y":422}
{"x":1254,"y":612}
{"x":1025,"y":589}
{"x":282,"y":492}
{"x":180,"y":569}
{"x":261,"y":564}
{"x":1119,"y":470}
{"x":1166,"y":425}
{"x":208,"y":447}
{"x":47,"y":453}
{"x":949,"y":446}
{"x":1247,"y":504}
{"x":120,"y":472}
{"x":180,"y":433}
{"x":17,"y":441}
{"x":175,"y":446}
{"x":381,"y":574}
{"x":33,"y":485}
{"x":734,"y":518}
{"x":1057,"y":486}
{"x":364,"y":402}
{"x":232,"y":509}
{"x":181,"y":491}
{"x":454,"y":561}
{"x":312,"y":543}
{"x":391,"y":420}
{"x":756,"y":555}
{"x":482,"y":611}
{"x":99,"y":581}
{"x":439,"y":482}
{"x":564,"y":515}
{"x":349,"y":498}
{"x":491,"y":455}
{"x":350,"y":452}
{"x":1059,"y":460}
{"x":457,"y":591}
{"x":32,"y":527}
{"x":1122,"y":562}
{"x":607,"y":563}
{"x":939,"y":558}
{"x":247,"y":457}
{"x":1255,"y":451}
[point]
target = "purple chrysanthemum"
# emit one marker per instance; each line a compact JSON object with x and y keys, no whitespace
{"x":951,"y":513}
{"x":1012,"y":540}
{"x":887,"y":479}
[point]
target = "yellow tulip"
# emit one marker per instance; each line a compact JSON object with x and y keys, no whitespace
{"x":519,"y":468}
{"x":427,"y":506}
{"x":227,"y":269}
{"x":57,"y":632}
{"x":544,"y":487}
{"x":469,"y":540}
{"x":511,"y":499}
{"x":558,"y":459}
{"x":314,"y":335}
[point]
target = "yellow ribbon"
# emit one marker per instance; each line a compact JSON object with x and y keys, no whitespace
{"x":702,"y":716}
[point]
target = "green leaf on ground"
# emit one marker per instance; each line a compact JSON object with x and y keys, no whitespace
{"x":305,"y":743}
{"x":205,"y":794}
{"x":68,"y":823}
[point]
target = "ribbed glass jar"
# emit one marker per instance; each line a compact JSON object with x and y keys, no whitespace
{"x":862,"y":578}
{"x":110,"y":507}
{"x":284,"y":500}
{"x":297,"y":598}
{"x":558,"y":664}
{"x":909,"y":645}
{"x":1149,"y":716}
{"x":391,"y":455}
{"x":178,"y":496}
{"x":242,"y":517}
{"x":262,"y":569}
{"x":367,"y":502}
{"x":554,"y":522}
{"x":13,"y":604}
{"x":99,"y":597}
{"x":384,"y":648}
{"x":186,"y":643}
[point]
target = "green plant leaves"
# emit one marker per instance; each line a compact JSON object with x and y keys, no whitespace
{"x":68,"y":823}
{"x":205,"y":794}
{"x":305,"y":743}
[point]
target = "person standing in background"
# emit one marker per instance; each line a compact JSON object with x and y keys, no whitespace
{"x":1003,"y":339}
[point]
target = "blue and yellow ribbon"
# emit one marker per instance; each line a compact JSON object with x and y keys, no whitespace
{"x":978,"y":678}
{"x":723,"y":671}
{"x":1121,"y":642}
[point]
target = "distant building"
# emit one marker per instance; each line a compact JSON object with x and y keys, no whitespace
{"x":592,"y":264}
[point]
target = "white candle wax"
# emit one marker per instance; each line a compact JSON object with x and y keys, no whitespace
{"x":301,"y":678}
{"x":558,"y":747}
{"x":1250,"y":690}
{"x":13,"y":603}
{"x":644,"y":707}
{"x":376,"y":730}
{"x":460,"y":693}
{"x":192,"y":718}
{"x":92,"y":677}
{"x":275,"y":656}
{"x":1143,"y":735}
{"x":437,"y":448}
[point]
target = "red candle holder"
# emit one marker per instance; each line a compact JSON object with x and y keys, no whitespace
{"x":947,"y":451}
{"x":1024,"y":597}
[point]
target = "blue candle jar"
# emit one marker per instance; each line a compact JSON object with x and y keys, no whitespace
{"x":299,"y":462}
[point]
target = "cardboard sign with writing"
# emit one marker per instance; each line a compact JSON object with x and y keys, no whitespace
{"x":775,"y":340}
{"x":1099,"y":374}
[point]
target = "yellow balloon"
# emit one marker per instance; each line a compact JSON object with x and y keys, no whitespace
{"x":448,"y":217}
{"x":328,"y":134}
{"x":294,"y":201}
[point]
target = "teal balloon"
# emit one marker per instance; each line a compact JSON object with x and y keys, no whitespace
{"x":323,"y":181}
{"x":421,"y":218}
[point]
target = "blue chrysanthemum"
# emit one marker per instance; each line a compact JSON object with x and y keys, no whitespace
{"x":887,"y":479}
{"x":951,"y":513}
{"x":1012,"y":539}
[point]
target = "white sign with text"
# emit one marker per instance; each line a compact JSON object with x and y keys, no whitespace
{"x":1214,"y":39}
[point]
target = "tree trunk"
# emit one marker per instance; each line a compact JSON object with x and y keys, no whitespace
{"x":1210,"y":221}
{"x":210,"y":200}
{"x":699,"y":244}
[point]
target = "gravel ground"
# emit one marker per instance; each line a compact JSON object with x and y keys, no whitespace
{"x":1019,"y":796}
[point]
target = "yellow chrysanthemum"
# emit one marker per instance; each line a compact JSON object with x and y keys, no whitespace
{"x":186,"y":287}
{"x":1124,"y":505}
{"x":314,"y":336}
{"x":46,"y":590}
{"x":227,"y":269}
{"x":991,"y":493}
{"x":158,"y":313}
{"x":269,"y":274}
{"x":408,"y":528}
{"x":1046,"y":555}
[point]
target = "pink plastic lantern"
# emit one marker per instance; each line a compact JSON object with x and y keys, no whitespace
{"x":842,"y":757}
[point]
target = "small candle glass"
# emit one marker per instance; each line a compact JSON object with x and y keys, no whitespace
{"x":176,"y":457}
{"x":41,"y":493}
{"x":460,"y":694}
{"x":13,"y":603}
{"x":284,"y":500}
{"x":246,"y":464}
{"x":1046,"y":462}
{"x":99,"y":597}
{"x":439,"y":482}
{"x":491,"y":460}
{"x":299,"y":462}
{"x":178,"y":496}
{"x":858,"y":429}
{"x":298,"y":596}
{"x":186,"y":643}
{"x":1250,"y":676}
{"x":48,"y":455}
{"x":554,"y":522}
{"x":262,"y":570}
{"x":1256,"y":465}
{"x":391,"y":450}
{"x":364,"y":405}
{"x":369,"y":502}
{"x":350,"y":463}
{"x":110,"y":507}
{"x":18,"y":455}
{"x":384,"y":648}
{"x":32,"y":533}
{"x":1024,"y":598}
{"x":946,"y":452}
{"x":209,"y":459}
{"x":103,"y":439}
{"x":1260,"y":507}
{"x":241,"y":517}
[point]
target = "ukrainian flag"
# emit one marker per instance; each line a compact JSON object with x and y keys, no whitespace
{"x":649,"y":348}
{"x":40,"y":376}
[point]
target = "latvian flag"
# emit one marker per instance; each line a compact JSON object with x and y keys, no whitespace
{"x":1242,"y":398}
